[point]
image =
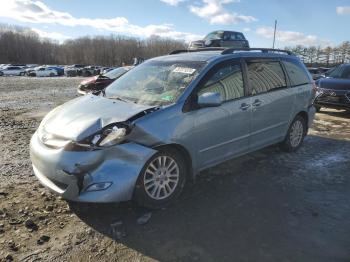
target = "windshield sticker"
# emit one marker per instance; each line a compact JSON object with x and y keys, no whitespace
{"x":167,"y":98}
{"x":184,"y":70}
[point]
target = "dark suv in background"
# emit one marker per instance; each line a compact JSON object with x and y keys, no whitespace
{"x":333,"y":91}
{"x":230,"y":39}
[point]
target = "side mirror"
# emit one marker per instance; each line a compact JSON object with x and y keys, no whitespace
{"x":209,"y":99}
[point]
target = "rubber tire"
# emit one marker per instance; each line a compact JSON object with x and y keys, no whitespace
{"x":140,"y":195}
{"x":318,"y":108}
{"x":21,"y":74}
{"x":52,"y":74}
{"x":286,"y":145}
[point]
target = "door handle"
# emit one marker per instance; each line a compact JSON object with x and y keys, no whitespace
{"x":244,"y":106}
{"x":257,"y":102}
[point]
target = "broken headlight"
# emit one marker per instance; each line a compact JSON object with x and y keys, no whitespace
{"x":109,"y":136}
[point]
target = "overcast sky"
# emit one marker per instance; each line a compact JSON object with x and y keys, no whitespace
{"x":307,"y":22}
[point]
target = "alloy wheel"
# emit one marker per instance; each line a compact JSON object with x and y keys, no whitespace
{"x":161,"y":177}
{"x":296,"y":133}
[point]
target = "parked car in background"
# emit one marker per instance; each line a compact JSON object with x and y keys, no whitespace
{"x":98,"y":83}
{"x":333,"y":91}
{"x":42,"y":71}
{"x":73,"y":70}
{"x":90,"y":70}
{"x":12,"y":70}
{"x":221,"y":39}
{"x":169,"y":118}
{"x":59,"y":69}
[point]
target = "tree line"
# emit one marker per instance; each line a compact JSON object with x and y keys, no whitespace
{"x":20,"y":45}
{"x":327,"y":56}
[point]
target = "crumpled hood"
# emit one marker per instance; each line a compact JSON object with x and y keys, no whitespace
{"x":334,"y":83}
{"x":84,"y":116}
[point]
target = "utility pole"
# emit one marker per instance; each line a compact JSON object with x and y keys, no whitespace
{"x":274,"y":35}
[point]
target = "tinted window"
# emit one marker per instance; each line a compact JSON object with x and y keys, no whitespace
{"x":227,"y":80}
{"x":236,"y":36}
{"x":342,"y":71}
{"x":231,"y":36}
{"x":296,"y":73}
{"x":266,"y":76}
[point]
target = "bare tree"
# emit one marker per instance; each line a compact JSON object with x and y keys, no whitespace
{"x":21,"y":45}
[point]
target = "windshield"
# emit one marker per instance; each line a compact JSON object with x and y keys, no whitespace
{"x":214,"y":35}
{"x":155,"y":82}
{"x":115,"y":73}
{"x":342,"y":71}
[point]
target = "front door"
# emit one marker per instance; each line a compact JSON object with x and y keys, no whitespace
{"x":222,"y":132}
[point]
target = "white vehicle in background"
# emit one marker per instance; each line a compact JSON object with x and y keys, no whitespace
{"x":12,"y":71}
{"x":42,"y":71}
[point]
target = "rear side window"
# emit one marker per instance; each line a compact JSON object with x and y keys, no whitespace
{"x":266,"y":76}
{"x":237,"y":36}
{"x":296,"y":73}
{"x":227,"y":80}
{"x":231,"y":36}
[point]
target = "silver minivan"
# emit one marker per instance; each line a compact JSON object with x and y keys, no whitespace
{"x":164,"y":121}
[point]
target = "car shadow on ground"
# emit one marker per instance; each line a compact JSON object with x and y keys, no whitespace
{"x":336,"y":113}
{"x":265,"y":206}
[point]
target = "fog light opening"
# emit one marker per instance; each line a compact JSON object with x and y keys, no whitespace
{"x":98,"y":186}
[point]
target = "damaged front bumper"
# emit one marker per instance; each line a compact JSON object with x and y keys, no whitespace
{"x":71,"y":173}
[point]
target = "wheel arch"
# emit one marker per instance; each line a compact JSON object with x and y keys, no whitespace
{"x":184,"y":152}
{"x":304,"y":115}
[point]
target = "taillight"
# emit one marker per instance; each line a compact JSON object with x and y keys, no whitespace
{"x":315,"y":92}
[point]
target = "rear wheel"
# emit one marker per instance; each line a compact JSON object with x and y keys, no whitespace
{"x":161,"y":180}
{"x":295,"y":135}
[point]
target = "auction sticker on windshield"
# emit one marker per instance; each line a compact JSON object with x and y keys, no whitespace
{"x":184,"y":70}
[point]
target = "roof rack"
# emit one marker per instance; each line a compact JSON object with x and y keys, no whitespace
{"x":263,"y":50}
{"x":226,"y":51}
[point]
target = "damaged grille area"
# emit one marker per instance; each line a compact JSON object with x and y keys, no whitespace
{"x":334,"y":96}
{"x":52,"y":141}
{"x":61,"y":185}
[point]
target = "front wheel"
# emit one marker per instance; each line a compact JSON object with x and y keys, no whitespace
{"x":295,"y":135}
{"x":161,"y":180}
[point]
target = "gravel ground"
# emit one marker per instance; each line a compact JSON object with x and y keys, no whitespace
{"x":265,"y":206}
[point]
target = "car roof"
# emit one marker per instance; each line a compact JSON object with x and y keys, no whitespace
{"x":210,"y":56}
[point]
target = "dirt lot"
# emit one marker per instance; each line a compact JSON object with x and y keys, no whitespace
{"x":266,"y":206}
